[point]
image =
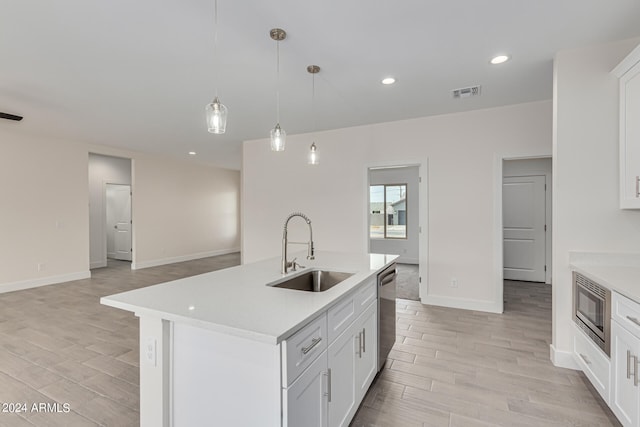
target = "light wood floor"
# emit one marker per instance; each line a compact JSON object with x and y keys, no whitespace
{"x":464,"y":368}
{"x":448,"y":368}
{"x":58,"y":344}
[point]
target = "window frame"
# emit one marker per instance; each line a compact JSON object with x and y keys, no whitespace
{"x":406,"y":201}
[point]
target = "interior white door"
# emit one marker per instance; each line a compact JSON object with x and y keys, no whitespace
{"x":118,"y":204}
{"x":523,"y":217}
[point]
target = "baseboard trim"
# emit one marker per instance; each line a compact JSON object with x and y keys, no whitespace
{"x":97,"y":264}
{"x":138,"y":265}
{"x":462,"y":303}
{"x":43,"y":281}
{"x":562,"y":359}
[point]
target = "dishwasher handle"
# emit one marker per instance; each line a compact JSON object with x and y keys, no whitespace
{"x":388,"y":278}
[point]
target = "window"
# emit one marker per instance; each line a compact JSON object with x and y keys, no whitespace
{"x":388,"y":211}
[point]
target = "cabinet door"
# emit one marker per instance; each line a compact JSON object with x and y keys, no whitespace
{"x":366,"y":361}
{"x":630,"y":138}
{"x":342,"y":389}
{"x":305,"y":401}
{"x":625,"y":401}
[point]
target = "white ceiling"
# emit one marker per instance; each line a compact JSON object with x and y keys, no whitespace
{"x":137,"y":74}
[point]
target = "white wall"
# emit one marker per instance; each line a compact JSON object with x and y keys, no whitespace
{"x":464,"y":180}
{"x":529,"y":167}
{"x":44,"y":215}
{"x":585,"y":172}
{"x":407,"y":249}
{"x":182,"y":210}
{"x":102,"y":170}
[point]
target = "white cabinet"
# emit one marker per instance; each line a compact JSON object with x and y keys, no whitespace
{"x":342,"y":374}
{"x":352,"y":366}
{"x":329,"y":364}
{"x":593,"y":362}
{"x":366,"y":363}
{"x":628,"y":71}
{"x":625,"y":358}
{"x":301,"y":349}
{"x":625,"y":401}
{"x":305,"y":401}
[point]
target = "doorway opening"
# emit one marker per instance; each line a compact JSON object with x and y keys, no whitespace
{"x":393,"y":207}
{"x":110,"y":211}
{"x":526,"y":222}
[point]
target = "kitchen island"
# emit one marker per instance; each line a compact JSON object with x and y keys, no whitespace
{"x":223,"y":348}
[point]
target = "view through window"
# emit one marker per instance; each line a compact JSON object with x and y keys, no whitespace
{"x":388,"y":211}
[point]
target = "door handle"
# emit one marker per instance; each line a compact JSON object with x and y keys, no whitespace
{"x":115,"y":226}
{"x":635,"y":368}
{"x":364,"y":340}
{"x":637,"y":186}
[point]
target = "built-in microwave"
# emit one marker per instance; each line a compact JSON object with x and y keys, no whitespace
{"x":592,"y":310}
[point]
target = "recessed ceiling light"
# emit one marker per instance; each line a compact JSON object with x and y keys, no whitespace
{"x":388,"y":81}
{"x":192,"y":153}
{"x":500,"y":59}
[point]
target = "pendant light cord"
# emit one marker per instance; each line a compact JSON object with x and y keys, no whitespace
{"x":215,"y":44}
{"x":278,"y":82}
{"x":313,"y":103}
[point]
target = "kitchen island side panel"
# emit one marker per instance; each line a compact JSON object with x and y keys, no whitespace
{"x":220,"y":379}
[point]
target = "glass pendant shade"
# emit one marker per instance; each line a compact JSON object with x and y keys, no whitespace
{"x":313,"y":154}
{"x":216,"y":117}
{"x":278,"y":138}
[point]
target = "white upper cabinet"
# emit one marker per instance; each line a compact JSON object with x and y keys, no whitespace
{"x":628,"y":71}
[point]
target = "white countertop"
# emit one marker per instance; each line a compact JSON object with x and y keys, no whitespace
{"x":237,"y":301}
{"x":616,"y":272}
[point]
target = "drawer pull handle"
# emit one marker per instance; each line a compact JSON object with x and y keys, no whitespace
{"x":314,"y":343}
{"x":364,"y":340}
{"x":634,"y":320}
{"x":635,"y":368}
{"x":586,"y":360}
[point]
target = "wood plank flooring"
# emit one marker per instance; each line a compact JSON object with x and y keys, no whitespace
{"x":464,"y":368}
{"x":59,"y":344}
{"x":448,"y":368}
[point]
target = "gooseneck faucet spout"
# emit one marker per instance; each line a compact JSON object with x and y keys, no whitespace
{"x":310,"y":249}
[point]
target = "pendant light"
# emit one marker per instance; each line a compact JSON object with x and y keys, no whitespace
{"x":313,"y":150}
{"x":216,"y":111}
{"x":278,"y":135}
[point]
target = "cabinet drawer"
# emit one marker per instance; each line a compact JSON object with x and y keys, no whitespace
{"x":593,"y":362}
{"x":302,"y":348}
{"x":626,"y":312}
{"x":346,"y":311}
{"x":365,"y":295}
{"x":341,"y":315}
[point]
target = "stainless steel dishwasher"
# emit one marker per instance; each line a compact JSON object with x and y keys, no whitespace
{"x":386,"y":313}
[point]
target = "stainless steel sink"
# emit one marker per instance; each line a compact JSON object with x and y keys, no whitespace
{"x":313,"y":281}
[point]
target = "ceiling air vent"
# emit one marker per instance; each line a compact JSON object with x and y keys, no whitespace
{"x":466,"y":92}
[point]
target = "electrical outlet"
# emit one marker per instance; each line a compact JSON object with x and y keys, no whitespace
{"x":40,"y":266}
{"x":150,"y":351}
{"x":454,"y":282}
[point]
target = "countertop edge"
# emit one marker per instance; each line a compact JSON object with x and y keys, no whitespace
{"x":273,"y":339}
{"x":591,"y":271}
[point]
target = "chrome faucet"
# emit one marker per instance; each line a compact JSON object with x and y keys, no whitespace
{"x":310,"y":253}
